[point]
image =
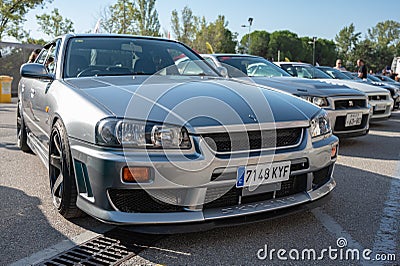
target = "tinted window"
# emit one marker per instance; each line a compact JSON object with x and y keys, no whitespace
{"x":305,"y":71}
{"x":334,"y":73}
{"x":251,"y":66}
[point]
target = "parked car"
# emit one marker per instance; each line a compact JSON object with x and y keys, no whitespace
{"x":393,"y":88}
{"x":387,"y":79}
{"x":347,"y":109}
{"x":379,"y":99}
{"x":371,"y":80}
{"x":130,"y":139}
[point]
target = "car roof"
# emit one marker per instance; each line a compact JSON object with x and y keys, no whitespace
{"x":292,"y":63}
{"x":105,"y":35}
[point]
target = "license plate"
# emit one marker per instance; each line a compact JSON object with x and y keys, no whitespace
{"x":353,"y":119}
{"x":380,"y":107}
{"x":255,"y":175}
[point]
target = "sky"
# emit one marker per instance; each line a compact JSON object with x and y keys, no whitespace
{"x":320,"y":18}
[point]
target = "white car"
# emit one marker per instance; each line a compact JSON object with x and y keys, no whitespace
{"x":380,"y":100}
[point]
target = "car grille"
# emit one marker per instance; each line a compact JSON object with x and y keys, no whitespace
{"x":295,"y":184}
{"x":380,"y":112}
{"x":377,"y":98}
{"x":341,"y":121}
{"x":138,"y":200}
{"x":253,"y":140}
{"x":350,"y":104}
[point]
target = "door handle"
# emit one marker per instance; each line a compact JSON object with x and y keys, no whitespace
{"x":33,"y":92}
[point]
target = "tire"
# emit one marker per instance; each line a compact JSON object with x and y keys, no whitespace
{"x":22,"y":136}
{"x":61,"y":173}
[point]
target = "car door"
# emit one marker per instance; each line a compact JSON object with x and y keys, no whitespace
{"x":38,"y":94}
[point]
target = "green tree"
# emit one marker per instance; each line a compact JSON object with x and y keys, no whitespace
{"x":217,"y":34}
{"x":186,"y":27}
{"x":325,"y":52}
{"x":259,"y":43}
{"x":54,"y":24}
{"x":384,"y":39}
{"x":346,"y":41}
{"x":147,"y":18}
{"x":12,"y":16}
{"x":288,"y":43}
{"x":385,"y":33}
{"x":34,"y":41}
{"x":121,"y":18}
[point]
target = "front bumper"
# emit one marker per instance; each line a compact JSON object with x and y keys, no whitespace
{"x":98,"y":171}
{"x":381,"y":109}
{"x":337,"y":118}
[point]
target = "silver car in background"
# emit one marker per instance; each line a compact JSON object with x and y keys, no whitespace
{"x":129,"y":138}
{"x":380,"y":100}
{"x":347,"y":109}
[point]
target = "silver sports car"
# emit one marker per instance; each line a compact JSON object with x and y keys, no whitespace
{"x":129,"y":138}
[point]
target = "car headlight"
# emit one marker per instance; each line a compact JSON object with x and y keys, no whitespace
{"x":138,"y":134}
{"x":320,"y":125}
{"x":319,"y":101}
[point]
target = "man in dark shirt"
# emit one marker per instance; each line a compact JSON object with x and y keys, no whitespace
{"x":362,"y":70}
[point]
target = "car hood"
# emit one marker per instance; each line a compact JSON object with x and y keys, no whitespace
{"x":193,"y":102}
{"x":361,"y":86}
{"x":309,"y":87}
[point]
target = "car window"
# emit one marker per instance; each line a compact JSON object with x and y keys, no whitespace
{"x":305,"y":71}
{"x":211,"y":62}
{"x":251,"y":66}
{"x":99,"y":56}
{"x":48,"y":56}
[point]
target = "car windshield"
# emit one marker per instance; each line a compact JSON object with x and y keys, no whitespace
{"x":351,"y":75}
{"x":386,"y":79}
{"x":305,"y":71}
{"x":372,"y":78}
{"x":334,"y":73}
{"x":115,"y":56}
{"x":251,"y":66}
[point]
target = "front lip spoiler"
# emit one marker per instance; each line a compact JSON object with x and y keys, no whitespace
{"x":227,"y":222}
{"x":315,"y":199}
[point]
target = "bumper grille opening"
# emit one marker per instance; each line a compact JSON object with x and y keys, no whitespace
{"x":341,"y":121}
{"x":377,"y":98}
{"x":138,"y":200}
{"x":350,"y":104}
{"x":253,"y":140}
{"x":322,"y":176}
{"x":380,"y":112}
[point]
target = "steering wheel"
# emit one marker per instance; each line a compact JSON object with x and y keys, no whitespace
{"x":87,"y":72}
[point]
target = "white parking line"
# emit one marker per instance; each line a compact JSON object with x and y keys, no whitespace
{"x":62,"y":246}
{"x":386,"y":237}
{"x":335,"y":228}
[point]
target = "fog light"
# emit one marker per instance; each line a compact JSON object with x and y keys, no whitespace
{"x":136,"y":174}
{"x":334,"y":151}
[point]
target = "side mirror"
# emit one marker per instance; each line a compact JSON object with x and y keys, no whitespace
{"x":223,"y":71}
{"x":36,"y":71}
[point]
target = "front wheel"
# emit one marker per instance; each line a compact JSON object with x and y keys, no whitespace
{"x":62,"y":178}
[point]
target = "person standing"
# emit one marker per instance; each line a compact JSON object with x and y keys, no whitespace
{"x":339,"y":65}
{"x":362,"y":69}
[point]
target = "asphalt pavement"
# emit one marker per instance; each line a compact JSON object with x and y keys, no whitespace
{"x":363,"y":214}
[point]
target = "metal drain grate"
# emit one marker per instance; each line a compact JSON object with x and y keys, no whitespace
{"x":112,"y":248}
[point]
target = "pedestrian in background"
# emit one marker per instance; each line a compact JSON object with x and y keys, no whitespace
{"x":33,"y":55}
{"x":362,"y":69}
{"x":339,"y":65}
